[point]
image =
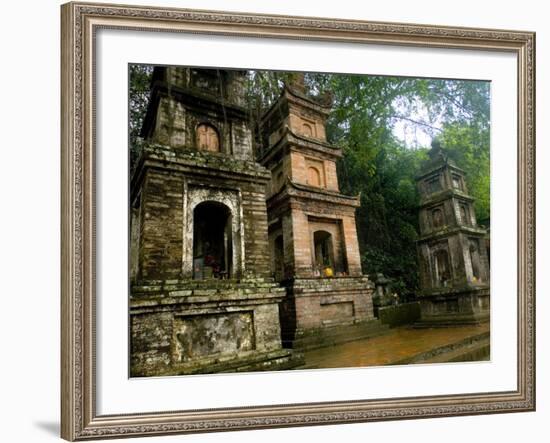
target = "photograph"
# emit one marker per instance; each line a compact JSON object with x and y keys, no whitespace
{"x":286,"y":221}
{"x":282,"y":218}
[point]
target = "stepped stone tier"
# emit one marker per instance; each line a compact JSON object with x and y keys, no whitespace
{"x":452,"y":248}
{"x":312,"y":232}
{"x":202,"y":296}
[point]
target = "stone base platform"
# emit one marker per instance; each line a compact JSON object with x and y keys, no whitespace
{"x":454,"y":307}
{"x":190,"y":327}
{"x":319,"y":312}
{"x":246,"y":362}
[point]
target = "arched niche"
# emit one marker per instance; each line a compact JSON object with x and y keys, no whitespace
{"x":438,"y":218}
{"x":208,"y":138}
{"x":465,"y":215}
{"x":323,"y":250}
{"x":441,"y":268}
{"x":307,"y":130}
{"x":224,"y":206}
{"x":314,"y":177}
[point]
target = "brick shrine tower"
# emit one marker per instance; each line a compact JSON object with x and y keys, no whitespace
{"x":312,"y":231}
{"x":202,"y":298}
{"x":453,"y":259}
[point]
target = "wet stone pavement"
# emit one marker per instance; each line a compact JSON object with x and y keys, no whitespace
{"x":397,"y":345}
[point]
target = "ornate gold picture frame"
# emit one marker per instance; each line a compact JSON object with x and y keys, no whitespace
{"x":80,"y":23}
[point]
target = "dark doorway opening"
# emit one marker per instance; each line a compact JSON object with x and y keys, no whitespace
{"x":212,"y":241}
{"x":324,"y":252}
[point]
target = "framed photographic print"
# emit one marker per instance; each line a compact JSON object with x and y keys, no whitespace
{"x":282,"y":221}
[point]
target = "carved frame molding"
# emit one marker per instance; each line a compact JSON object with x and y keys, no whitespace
{"x":80,"y":21}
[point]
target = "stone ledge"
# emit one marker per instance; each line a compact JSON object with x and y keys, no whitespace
{"x":239,"y":362}
{"x":457,"y":351}
{"x":187,"y":288}
{"x":452,"y":320}
{"x":219,"y":299}
{"x":315,"y":286}
{"x":193,"y":161}
{"x":446,"y":231}
{"x":442,"y":293}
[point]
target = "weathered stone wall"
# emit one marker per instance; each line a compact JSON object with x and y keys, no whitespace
{"x":171,"y":126}
{"x":351,"y":244}
{"x":241,"y":140}
{"x":301,"y":244}
{"x":471,"y":304}
{"x":470,"y":219}
{"x":276,"y":131}
{"x":176,"y":126}
{"x":169,"y":195}
{"x":298,"y":168}
{"x":278,"y":178}
{"x":288,"y":244}
{"x":176,"y":76}
{"x":255,"y":232}
{"x":198,"y":336}
{"x":176,"y":325}
{"x":151,"y":341}
{"x":334,"y":227}
{"x":321,"y":302}
{"x":457,"y":245}
{"x":295,"y":218}
{"x":162,"y":225}
{"x":298,"y":115}
{"x":299,"y":164}
{"x":448,"y":216}
{"x":135,"y":239}
{"x":451,"y":214}
{"x":267,"y":328}
{"x":275,"y":233}
{"x":233,"y":82}
{"x":484,"y":259}
{"x":453,"y":247}
{"x":331,"y":176}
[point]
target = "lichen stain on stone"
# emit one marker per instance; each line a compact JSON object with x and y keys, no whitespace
{"x":204,"y":335}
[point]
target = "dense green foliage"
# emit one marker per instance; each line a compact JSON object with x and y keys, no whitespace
{"x":382,"y":168}
{"x":377,"y":164}
{"x":138,"y":99}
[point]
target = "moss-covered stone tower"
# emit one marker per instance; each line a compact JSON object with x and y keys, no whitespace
{"x":202,"y":298}
{"x":453,"y":259}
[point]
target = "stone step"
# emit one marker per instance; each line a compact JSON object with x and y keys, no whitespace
{"x":474,"y":348}
{"x":337,"y":335}
{"x":277,"y":360}
{"x":285,"y":362}
{"x":480,"y":351}
{"x":451,"y":321}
